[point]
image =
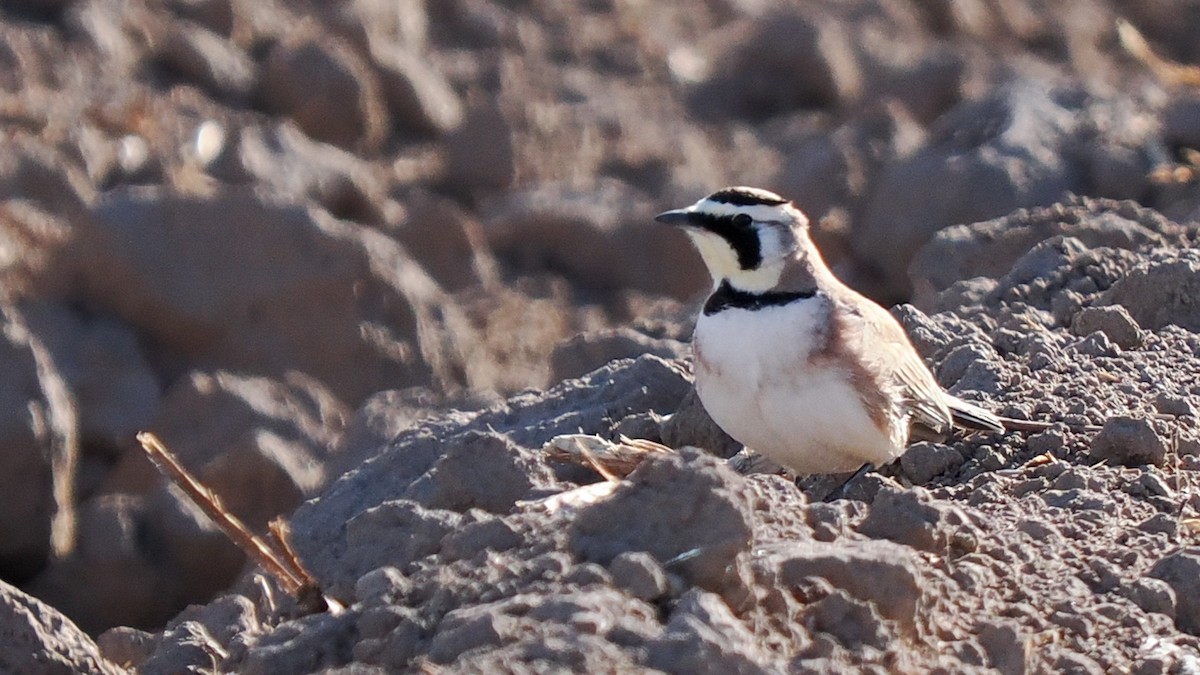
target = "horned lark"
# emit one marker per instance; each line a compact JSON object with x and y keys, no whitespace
{"x":792,"y":362}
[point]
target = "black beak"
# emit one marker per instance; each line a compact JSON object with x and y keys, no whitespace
{"x":676,"y":217}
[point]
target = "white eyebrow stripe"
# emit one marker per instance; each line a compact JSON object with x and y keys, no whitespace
{"x":759,"y":212}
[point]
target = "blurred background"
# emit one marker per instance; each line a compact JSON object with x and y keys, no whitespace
{"x":238,"y":222}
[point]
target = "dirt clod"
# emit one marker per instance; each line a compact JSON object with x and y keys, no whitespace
{"x":1181,"y":571}
{"x":1129,"y":441}
{"x":359,"y":262}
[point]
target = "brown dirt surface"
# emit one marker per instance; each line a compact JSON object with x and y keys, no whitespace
{"x":357,"y":262}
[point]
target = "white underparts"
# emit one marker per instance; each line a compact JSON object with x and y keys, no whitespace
{"x":755,"y":378}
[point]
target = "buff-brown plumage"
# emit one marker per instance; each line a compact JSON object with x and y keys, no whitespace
{"x":792,"y":362}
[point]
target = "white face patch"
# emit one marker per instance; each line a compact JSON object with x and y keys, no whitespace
{"x":719,"y":256}
{"x":722,"y":263}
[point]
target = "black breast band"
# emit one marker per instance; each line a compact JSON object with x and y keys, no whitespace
{"x":728,"y":297}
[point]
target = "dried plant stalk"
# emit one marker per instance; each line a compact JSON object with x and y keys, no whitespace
{"x":609,"y":459}
{"x":1034,"y":426}
{"x":280,"y":535}
{"x":56,"y":426}
{"x":310,"y":594}
{"x":277,"y":564}
{"x":573,"y":499}
{"x":1166,"y":70}
{"x":599,"y":466}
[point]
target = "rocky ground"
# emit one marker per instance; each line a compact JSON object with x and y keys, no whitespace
{"x":366,"y":258}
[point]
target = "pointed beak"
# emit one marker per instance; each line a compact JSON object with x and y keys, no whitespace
{"x":676,"y":217}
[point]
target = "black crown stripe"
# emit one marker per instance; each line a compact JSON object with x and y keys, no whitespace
{"x":739,"y":197}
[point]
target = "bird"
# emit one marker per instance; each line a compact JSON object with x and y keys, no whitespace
{"x":793,"y":363}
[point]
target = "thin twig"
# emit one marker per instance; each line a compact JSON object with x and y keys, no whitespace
{"x":280,"y":535}
{"x":56,"y":425}
{"x":1011,"y":424}
{"x":309,"y":596}
{"x":598,"y":465}
{"x":211,"y":505}
{"x":1166,"y":70}
{"x":606,"y":457}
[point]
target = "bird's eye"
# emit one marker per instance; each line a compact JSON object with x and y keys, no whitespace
{"x":742,"y":220}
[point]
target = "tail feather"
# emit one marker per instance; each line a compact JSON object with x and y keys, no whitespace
{"x":970,"y":416}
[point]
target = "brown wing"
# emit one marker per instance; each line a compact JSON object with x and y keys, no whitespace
{"x":881,"y":344}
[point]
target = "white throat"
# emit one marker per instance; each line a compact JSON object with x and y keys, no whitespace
{"x":722,"y":263}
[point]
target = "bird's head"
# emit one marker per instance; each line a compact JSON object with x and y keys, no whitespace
{"x":744,"y":234}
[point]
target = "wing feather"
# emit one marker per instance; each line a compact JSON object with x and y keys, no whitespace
{"x":885,"y":349}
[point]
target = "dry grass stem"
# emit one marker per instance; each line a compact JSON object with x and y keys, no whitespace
{"x":598,"y":466}
{"x":577,"y":498}
{"x":1034,"y":426}
{"x":611,"y":460}
{"x":1164,"y":69}
{"x":55,"y":424}
{"x":280,"y":560}
{"x":280,"y":534}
